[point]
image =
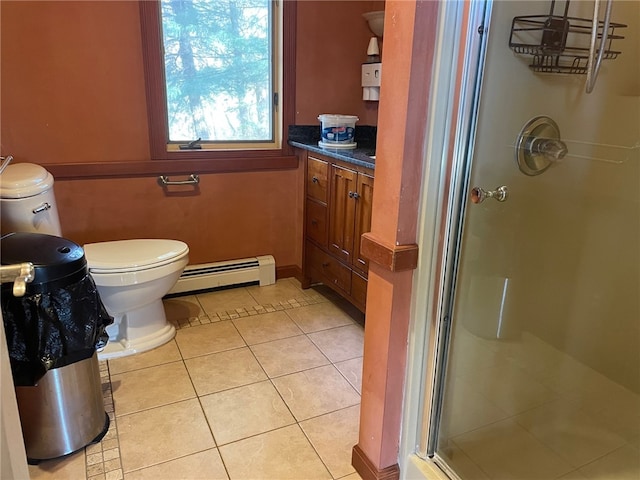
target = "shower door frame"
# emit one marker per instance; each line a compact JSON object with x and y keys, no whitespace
{"x":462,"y":42}
{"x":475,"y":42}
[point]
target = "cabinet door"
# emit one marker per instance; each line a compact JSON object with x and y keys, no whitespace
{"x":316,"y":222}
{"x":364,"y":203}
{"x":342,"y":212}
{"x":317,"y":172}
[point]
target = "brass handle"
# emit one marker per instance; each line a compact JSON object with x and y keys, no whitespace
{"x":479,"y":195}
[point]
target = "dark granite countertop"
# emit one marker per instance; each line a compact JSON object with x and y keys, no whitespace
{"x":308,"y":136}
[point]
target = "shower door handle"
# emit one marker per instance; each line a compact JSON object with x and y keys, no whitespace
{"x":479,"y":195}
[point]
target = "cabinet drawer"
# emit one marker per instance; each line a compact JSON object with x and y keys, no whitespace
{"x":317,"y":179}
{"x":359,"y":289}
{"x":328,"y":269}
{"x":316,"y":222}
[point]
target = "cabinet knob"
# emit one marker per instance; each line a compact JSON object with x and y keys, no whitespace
{"x":314,"y":179}
{"x":314,"y":221}
{"x":355,"y":195}
{"x":325,"y":264}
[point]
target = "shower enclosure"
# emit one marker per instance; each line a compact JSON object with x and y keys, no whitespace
{"x":538,"y":364}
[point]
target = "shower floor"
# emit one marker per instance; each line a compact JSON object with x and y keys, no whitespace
{"x":525,"y":410}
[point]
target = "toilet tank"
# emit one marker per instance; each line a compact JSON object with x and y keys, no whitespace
{"x":27,"y":201}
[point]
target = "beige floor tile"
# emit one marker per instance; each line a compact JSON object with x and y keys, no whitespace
{"x":72,"y":467}
{"x":577,"y":437}
{"x":315,"y":392}
{"x":461,"y":463}
{"x":353,"y":476}
{"x":224,"y":370}
{"x":288,"y":355}
{"x":341,"y":343}
{"x":466,"y":409}
{"x":162,"y":434}
{"x":166,"y":353}
{"x":320,"y":316}
{"x":333,"y":436}
{"x":280,"y":454}
{"x":575,"y":475}
{"x":281,"y":291}
{"x":352,"y":371}
{"x":506,"y":451}
{"x":150,"y":387}
{"x":510,"y":388}
{"x":623,"y":421}
{"x":266,"y":327}
{"x":245,"y":411}
{"x":206,"y":339}
{"x":181,"y":308}
{"x":224,"y":300}
{"x":205,"y":465}
{"x":622,"y":464}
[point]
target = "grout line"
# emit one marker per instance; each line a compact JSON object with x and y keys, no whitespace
{"x":248,"y":311}
{"x":103,"y":460}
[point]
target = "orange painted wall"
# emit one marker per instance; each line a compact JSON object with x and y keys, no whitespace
{"x":332,"y":40}
{"x":72,"y":82}
{"x":72,"y":90}
{"x":232,"y":215}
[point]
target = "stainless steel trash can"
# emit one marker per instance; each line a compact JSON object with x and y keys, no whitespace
{"x":64,"y":412}
{"x":53,"y":333}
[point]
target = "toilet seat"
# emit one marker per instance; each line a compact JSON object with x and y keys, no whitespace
{"x":128,"y":256}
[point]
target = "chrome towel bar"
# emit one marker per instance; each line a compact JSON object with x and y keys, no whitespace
{"x":193,"y":179}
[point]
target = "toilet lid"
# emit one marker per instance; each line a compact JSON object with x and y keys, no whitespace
{"x":22,"y":180}
{"x":122,"y":256}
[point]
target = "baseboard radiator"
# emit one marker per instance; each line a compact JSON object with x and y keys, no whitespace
{"x":221,"y":274}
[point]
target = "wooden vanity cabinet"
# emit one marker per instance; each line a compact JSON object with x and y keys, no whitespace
{"x":337,"y":212}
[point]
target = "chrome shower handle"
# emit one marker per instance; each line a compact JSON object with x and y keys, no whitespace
{"x":552,"y":148}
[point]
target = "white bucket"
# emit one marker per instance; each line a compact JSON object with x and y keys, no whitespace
{"x":337,"y":128}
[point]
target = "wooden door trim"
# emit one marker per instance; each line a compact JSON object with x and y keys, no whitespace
{"x":394,"y":258}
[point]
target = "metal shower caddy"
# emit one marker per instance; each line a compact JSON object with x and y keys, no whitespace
{"x":565,"y":44}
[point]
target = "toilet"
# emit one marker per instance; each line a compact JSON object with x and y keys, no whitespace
{"x":132,"y":276}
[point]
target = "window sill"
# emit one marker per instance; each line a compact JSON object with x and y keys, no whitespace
{"x":152,"y":168}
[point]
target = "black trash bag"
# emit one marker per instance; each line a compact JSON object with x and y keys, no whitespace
{"x":51,"y":329}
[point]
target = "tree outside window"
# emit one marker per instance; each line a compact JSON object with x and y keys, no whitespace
{"x":219,"y":70}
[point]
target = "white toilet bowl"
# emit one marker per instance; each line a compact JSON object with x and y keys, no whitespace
{"x":132,"y":276}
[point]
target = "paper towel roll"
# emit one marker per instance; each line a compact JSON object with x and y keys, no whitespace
{"x":371,"y":93}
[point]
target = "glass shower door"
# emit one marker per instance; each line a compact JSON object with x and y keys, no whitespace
{"x":542,"y":375}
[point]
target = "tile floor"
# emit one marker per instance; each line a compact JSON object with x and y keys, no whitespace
{"x":259,"y":383}
{"x":522,"y":409}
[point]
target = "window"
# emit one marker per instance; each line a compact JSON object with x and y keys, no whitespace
{"x":219,"y":76}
